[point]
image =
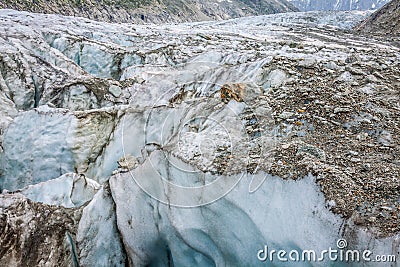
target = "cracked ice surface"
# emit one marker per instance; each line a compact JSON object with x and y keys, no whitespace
{"x":228,"y":231}
{"x":77,"y":96}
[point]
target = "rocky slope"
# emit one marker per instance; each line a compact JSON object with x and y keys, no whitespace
{"x":146,"y":11}
{"x":385,"y":21}
{"x":35,"y":234}
{"x":308,"y":5}
{"x":195,"y":144}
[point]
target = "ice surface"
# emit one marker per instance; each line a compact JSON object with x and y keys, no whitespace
{"x":281,"y":214}
{"x":98,"y":237}
{"x":69,"y":190}
{"x":36,"y":148}
{"x":169,"y":78}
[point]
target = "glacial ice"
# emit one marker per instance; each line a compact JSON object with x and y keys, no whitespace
{"x":37,"y":148}
{"x":98,"y":237}
{"x":69,"y":190}
{"x":281,"y":214}
{"x":109,"y":89}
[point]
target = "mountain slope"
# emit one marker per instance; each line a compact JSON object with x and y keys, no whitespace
{"x":140,"y":11}
{"x":386,"y":20}
{"x":308,"y":5}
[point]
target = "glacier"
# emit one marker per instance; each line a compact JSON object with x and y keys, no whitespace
{"x":164,"y":145}
{"x":309,"y":5}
